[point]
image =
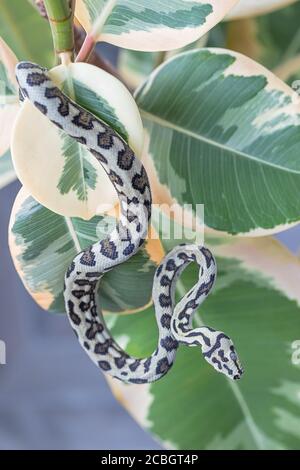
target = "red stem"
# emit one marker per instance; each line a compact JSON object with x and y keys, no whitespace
{"x":86,"y":49}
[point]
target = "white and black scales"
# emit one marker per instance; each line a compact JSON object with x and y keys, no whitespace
{"x":129,"y":177}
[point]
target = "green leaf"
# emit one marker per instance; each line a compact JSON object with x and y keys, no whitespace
{"x":224,"y":132}
{"x":79,"y":173}
{"x":217,"y":37}
{"x":7,"y":87}
{"x":150,"y":26}
{"x":272,"y":39}
{"x":256,"y":302}
{"x":43,"y":245}
{"x":7,"y":172}
{"x":278,"y":36}
{"x":26,"y":32}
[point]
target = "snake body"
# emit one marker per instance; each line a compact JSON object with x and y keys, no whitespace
{"x":130,"y":180}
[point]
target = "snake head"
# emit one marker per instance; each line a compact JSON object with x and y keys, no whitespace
{"x":223,"y":357}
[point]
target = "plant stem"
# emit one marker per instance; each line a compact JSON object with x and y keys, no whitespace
{"x":161,"y":57}
{"x":60,"y":16}
{"x":86,"y":49}
{"x":94,"y":56}
{"x":93,"y":37}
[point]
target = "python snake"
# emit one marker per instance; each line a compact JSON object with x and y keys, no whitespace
{"x":130,"y":180}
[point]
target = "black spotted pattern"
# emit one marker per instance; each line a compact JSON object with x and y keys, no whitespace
{"x":115,"y":178}
{"x":88,"y":258}
{"x":83,"y":291}
{"x":41,"y":107}
{"x":109,"y":249}
{"x":140,"y":181}
{"x":165,"y":300}
{"x":94,"y":328}
{"x":162,"y":366}
{"x":73,"y":316}
{"x":36,"y":79}
{"x":105,"y":139}
{"x":125,"y":159}
{"x":63,"y":107}
{"x":84,"y":120}
{"x":169,"y":343}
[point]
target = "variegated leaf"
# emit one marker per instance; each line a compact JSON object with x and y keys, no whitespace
{"x":76,"y":183}
{"x":257,"y":7}
{"x":7,"y":172}
{"x":256,"y":302}
{"x":8,"y":95}
{"x":43,"y":244}
{"x":150,"y":26}
{"x":224,"y":132}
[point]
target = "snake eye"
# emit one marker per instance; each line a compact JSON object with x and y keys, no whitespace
{"x":233,"y":356}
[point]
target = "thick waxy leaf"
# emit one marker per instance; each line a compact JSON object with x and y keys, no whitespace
{"x":7,"y":172}
{"x":8,"y":95}
{"x":43,"y":244}
{"x":257,"y":7}
{"x":150,"y":26}
{"x":76,"y":183}
{"x":272,"y":40}
{"x":26,"y":32}
{"x":224,"y":132}
{"x":256,"y":302}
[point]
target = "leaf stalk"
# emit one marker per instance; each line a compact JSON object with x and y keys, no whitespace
{"x":93,"y":37}
{"x":60,"y":16}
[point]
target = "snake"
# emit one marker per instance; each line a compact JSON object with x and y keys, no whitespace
{"x":129,"y":177}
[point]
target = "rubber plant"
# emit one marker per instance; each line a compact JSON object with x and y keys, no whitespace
{"x":202,"y":92}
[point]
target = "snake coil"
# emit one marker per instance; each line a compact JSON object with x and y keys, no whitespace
{"x":130,"y":180}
